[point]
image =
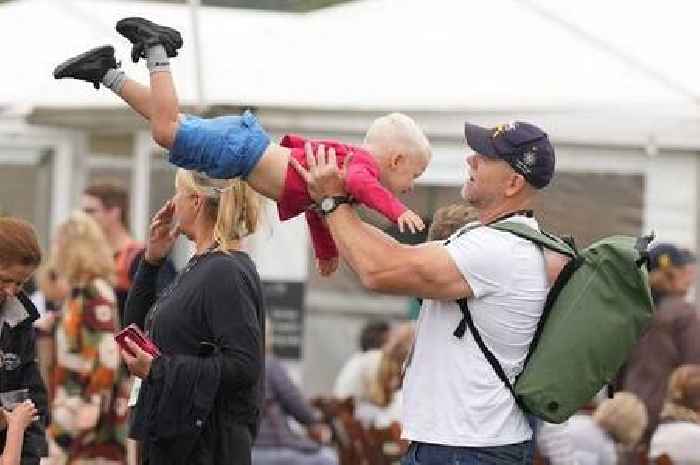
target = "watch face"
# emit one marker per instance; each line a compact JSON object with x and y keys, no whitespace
{"x":327,"y":204}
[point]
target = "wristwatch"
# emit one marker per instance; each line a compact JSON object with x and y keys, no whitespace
{"x":327,"y":205}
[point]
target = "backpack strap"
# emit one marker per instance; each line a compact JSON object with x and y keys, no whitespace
{"x":490,"y":357}
{"x":541,"y":238}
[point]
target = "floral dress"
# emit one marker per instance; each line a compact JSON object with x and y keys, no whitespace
{"x":89,"y":406}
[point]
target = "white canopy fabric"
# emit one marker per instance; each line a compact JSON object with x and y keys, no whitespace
{"x":399,"y":54}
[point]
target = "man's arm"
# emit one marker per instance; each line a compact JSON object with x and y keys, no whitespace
{"x":382,"y":264}
{"x":387,"y":266}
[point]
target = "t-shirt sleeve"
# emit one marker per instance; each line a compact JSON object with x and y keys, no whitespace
{"x":477,"y":254}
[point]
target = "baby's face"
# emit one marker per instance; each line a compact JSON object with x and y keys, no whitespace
{"x":399,"y":176}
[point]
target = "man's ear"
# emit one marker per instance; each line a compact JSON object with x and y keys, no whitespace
{"x":516,"y":183}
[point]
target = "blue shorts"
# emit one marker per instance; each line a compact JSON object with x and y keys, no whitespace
{"x":225,"y":147}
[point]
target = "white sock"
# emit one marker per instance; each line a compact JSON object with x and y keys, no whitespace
{"x":114,"y":80}
{"x":157,"y":59}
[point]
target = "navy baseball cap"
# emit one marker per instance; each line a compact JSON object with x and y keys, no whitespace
{"x":524,"y":146}
{"x":664,"y":255}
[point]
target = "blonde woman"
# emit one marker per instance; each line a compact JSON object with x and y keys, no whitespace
{"x":88,"y":408}
{"x":678,"y":435}
{"x":200,"y":401}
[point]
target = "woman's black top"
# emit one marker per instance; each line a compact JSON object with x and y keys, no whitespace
{"x":210,"y":326}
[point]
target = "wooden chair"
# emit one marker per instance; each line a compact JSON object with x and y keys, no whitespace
{"x":385,"y":446}
{"x":348,"y":433}
{"x":663,"y":459}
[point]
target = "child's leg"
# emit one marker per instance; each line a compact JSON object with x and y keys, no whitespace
{"x":138,"y":97}
{"x":99,"y":66}
{"x":164,"y":103}
{"x":157,"y":44}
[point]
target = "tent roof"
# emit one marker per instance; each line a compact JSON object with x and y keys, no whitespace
{"x":399,"y":54}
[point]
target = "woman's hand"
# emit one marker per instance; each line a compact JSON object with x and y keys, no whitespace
{"x":161,"y":235}
{"x":138,"y":364}
{"x":21,"y":416}
{"x":320,"y":433}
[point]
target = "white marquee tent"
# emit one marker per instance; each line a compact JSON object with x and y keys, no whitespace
{"x":600,"y":74}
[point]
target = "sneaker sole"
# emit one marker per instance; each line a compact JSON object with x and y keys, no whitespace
{"x":106,"y":50}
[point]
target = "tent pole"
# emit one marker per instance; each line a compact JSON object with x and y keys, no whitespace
{"x":198,"y":71}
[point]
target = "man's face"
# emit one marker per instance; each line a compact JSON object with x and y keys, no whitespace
{"x":486,"y":179}
{"x":12,"y":278}
{"x":95,"y":208}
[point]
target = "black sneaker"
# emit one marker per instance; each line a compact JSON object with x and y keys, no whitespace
{"x":143,"y":34}
{"x":90,"y":66}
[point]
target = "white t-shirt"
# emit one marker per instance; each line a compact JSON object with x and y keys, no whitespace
{"x":451,"y":395}
{"x":357,"y":375}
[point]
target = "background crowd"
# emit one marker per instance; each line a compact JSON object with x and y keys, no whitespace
{"x":80,"y":293}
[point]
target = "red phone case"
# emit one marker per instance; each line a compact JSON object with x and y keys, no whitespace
{"x":134,"y":333}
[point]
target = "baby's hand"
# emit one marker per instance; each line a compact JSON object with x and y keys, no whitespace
{"x":326,"y":267}
{"x":22,"y":415}
{"x":409,"y":220}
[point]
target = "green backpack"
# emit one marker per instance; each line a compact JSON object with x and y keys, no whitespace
{"x":594,"y":314}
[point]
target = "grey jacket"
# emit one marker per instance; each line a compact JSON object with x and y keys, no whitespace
{"x":283,"y":400}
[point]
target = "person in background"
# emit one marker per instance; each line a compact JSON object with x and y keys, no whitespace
{"x":384,"y":406}
{"x":614,"y":429}
{"x":678,"y":434}
{"x":89,"y":403}
{"x":448,"y":219}
{"x":671,"y":340}
{"x":355,"y":377}
{"x":691,"y":268}
{"x":20,"y":256}
{"x":277,"y":444}
{"x":48,"y":299}
{"x":108,"y":205}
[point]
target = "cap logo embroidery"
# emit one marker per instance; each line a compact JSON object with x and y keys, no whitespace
{"x":664,"y":261}
{"x":529,"y":158}
{"x":502,"y":128}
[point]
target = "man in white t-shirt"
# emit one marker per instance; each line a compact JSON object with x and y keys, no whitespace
{"x":455,"y":407}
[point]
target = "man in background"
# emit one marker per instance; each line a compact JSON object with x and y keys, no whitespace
{"x":108,"y":204}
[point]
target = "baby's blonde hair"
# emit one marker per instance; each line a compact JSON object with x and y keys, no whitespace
{"x":397,"y":133}
{"x":232,"y":204}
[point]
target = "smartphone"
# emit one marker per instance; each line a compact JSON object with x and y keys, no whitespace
{"x":135,"y":334}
